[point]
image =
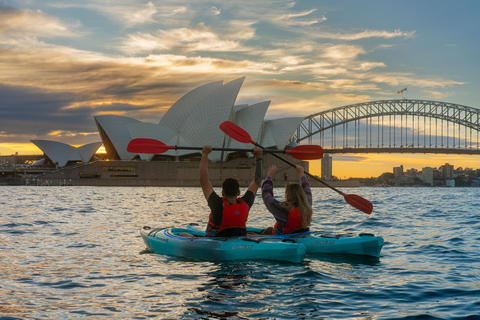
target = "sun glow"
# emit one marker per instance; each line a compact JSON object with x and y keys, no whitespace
{"x":373,"y":165}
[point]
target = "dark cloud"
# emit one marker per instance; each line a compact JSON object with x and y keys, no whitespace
{"x":28,"y":111}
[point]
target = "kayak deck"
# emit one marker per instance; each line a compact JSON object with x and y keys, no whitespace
{"x":192,"y":244}
{"x":365,"y":244}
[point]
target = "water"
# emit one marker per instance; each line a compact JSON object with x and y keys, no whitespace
{"x":75,"y":252}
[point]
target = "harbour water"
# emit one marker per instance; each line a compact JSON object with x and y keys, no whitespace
{"x":76,"y":252}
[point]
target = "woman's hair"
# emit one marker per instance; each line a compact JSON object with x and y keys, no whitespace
{"x":296,"y":198}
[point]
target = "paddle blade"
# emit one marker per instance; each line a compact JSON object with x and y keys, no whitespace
{"x":235,"y":132}
{"x":143,"y":145}
{"x":306,"y":152}
{"x":358,"y":202}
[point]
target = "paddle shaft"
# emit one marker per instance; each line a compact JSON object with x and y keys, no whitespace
{"x":305,"y":172}
{"x":224,"y":149}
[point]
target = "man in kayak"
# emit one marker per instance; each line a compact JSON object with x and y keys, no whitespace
{"x":229,"y":213}
{"x":294,"y":214}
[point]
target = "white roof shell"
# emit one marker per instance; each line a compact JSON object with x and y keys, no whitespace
{"x":194,"y":121}
{"x":201,"y":127}
{"x":62,"y":153}
{"x":277,"y":133}
{"x":250,"y":119}
{"x":114,"y":127}
{"x":175,"y":117}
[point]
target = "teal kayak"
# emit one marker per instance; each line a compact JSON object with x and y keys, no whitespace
{"x":192,"y":244}
{"x":365,"y":244}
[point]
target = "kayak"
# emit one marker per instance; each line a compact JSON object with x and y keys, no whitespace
{"x":365,"y":244}
{"x":192,"y":244}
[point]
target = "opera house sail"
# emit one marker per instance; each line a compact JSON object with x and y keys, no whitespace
{"x":193,"y":121}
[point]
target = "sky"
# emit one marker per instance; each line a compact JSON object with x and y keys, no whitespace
{"x":64,"y":62}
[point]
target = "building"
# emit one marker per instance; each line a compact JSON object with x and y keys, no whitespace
{"x":326,"y":167}
{"x":450,"y":183}
{"x":427,"y":175}
{"x":62,"y":154}
{"x":447,"y":171}
{"x":398,"y":172}
{"x":194,"y":121}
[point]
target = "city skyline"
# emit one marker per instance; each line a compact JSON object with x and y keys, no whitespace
{"x":64,"y":63}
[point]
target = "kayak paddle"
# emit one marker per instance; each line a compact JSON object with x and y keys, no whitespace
{"x":239,"y":134}
{"x":152,"y":146}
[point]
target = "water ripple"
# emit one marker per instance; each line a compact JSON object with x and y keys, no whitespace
{"x":75,"y":252}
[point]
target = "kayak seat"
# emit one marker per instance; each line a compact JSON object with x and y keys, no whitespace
{"x":232,"y":232}
{"x":299,"y":230}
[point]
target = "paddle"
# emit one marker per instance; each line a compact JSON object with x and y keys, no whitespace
{"x":237,"y":133}
{"x":152,"y":146}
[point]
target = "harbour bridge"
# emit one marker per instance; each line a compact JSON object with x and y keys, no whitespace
{"x":394,"y":126}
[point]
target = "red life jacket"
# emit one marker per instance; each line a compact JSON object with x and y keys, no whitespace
{"x":294,"y":222}
{"x":234,"y":216}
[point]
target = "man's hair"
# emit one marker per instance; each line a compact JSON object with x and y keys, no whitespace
{"x":230,"y":187}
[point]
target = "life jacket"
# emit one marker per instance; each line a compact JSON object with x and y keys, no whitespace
{"x":294,"y":222}
{"x":234,"y":216}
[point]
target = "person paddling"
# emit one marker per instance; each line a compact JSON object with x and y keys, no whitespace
{"x":295,"y":213}
{"x":229,"y":213}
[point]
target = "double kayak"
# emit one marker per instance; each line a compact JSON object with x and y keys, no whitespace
{"x":192,"y":244}
{"x":365,"y":244}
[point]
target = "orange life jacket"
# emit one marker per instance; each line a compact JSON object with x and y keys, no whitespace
{"x":234,"y":216}
{"x":294,"y":222}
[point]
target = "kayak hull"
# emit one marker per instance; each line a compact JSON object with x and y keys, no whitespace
{"x":363,"y":244}
{"x":190,"y":244}
{"x":321,"y":242}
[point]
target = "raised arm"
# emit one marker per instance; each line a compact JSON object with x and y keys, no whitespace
{"x":204,"y":178}
{"x":272,"y":204}
{"x":304,"y":182}
{"x":255,"y":184}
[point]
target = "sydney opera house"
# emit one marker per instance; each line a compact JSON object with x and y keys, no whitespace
{"x":192,"y":121}
{"x":61,"y":154}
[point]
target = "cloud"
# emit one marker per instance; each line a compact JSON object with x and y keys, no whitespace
{"x":347,"y":158}
{"x":143,"y":56}
{"x":351,"y":85}
{"x":239,"y":30}
{"x":193,"y":39}
{"x":126,"y":12}
{"x":410,"y":79}
{"x":214,"y":11}
{"x":365,"y":35}
{"x":290,"y":19}
{"x":437,"y":95}
{"x":31,"y":112}
{"x":342,"y":52}
{"x":20,"y":25}
{"x":65,"y":133}
{"x":142,"y":15}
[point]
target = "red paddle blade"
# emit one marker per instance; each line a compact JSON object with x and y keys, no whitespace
{"x":235,"y":132}
{"x":143,"y":145}
{"x":306,"y":152}
{"x":358,"y":202}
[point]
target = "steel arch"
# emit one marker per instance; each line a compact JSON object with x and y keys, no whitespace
{"x":463,"y":115}
{"x":375,"y":118}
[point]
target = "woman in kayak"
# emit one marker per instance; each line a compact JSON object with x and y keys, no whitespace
{"x":229,"y":213}
{"x":295,"y":213}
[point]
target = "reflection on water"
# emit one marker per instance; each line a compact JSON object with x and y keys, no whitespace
{"x":73,"y":252}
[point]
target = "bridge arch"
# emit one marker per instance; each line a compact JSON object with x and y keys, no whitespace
{"x":396,"y":124}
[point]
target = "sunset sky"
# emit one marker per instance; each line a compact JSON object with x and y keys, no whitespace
{"x":63,"y":62}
